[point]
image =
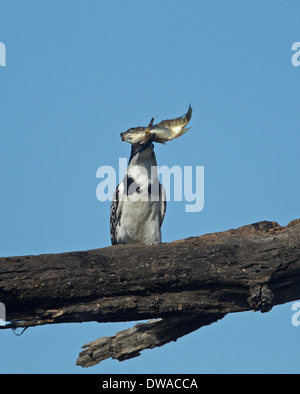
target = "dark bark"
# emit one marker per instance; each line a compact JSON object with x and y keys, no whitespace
{"x":128,"y":343}
{"x":251,"y":268}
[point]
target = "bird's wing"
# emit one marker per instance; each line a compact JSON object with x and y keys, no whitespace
{"x":115,"y":211}
{"x":163,"y":202}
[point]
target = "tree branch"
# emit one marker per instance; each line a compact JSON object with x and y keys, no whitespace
{"x":128,"y":343}
{"x":251,"y":268}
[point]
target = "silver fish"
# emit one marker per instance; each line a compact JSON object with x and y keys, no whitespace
{"x":138,"y":135}
{"x":169,"y":129}
{"x":162,"y":132}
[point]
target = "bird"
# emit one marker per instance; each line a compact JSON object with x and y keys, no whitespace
{"x":139,"y":202}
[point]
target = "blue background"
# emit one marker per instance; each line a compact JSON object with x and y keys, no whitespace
{"x":80,"y":72}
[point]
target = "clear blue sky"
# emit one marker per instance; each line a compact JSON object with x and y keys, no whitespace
{"x":80,"y":72}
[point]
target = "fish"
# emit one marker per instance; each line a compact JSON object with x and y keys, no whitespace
{"x":161,"y":132}
{"x":138,"y":135}
{"x":169,"y":129}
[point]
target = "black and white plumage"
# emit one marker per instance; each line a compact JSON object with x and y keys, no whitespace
{"x":139,"y":202}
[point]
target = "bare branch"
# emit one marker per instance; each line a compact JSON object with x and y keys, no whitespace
{"x":251,"y":268}
{"x":128,"y":343}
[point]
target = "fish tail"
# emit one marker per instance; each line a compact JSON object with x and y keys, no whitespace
{"x":188,"y":115}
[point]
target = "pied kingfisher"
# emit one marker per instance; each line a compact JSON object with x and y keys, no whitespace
{"x":139,"y":201}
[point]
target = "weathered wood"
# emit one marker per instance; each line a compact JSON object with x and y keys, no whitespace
{"x":186,"y":284}
{"x":254,"y":267}
{"x":128,"y":343}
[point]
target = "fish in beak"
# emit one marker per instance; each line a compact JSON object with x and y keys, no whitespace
{"x":162,"y":132}
{"x":169,"y":129}
{"x":138,"y":135}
